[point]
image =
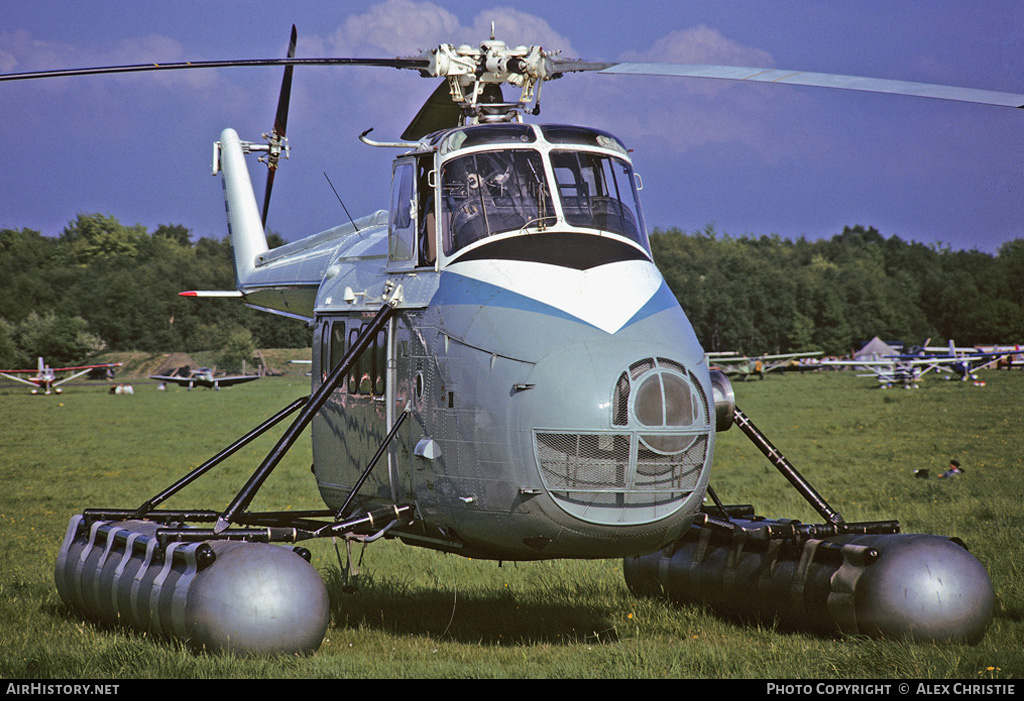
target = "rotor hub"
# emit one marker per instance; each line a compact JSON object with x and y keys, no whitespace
{"x":473,"y":73}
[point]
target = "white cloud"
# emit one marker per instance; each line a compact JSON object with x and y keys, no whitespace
{"x":515,"y":28}
{"x":405,"y":27}
{"x":701,"y":44}
{"x":394,"y":28}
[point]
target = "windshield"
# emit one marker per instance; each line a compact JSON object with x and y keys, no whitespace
{"x":598,"y":192}
{"x":491,"y":192}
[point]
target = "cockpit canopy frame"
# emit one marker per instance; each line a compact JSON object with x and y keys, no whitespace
{"x":470,"y":186}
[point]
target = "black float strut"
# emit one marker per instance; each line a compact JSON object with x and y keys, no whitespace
{"x":779,"y":460}
{"x":152,"y":503}
{"x":316,"y":401}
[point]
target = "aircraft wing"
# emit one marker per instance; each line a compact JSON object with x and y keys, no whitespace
{"x":176,"y":379}
{"x":789,"y":356}
{"x":85,"y":367}
{"x":203,"y":381}
{"x":234,"y":380}
{"x":877,"y":367}
{"x":73,"y":375}
{"x":7,"y":374}
{"x":76,"y":371}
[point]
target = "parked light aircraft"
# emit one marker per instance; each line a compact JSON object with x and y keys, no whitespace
{"x":961,"y":362}
{"x":205,"y":377}
{"x":1012,"y":356}
{"x":502,"y":343}
{"x":46,"y":379}
{"x":905,"y":369}
{"x":744,"y":366}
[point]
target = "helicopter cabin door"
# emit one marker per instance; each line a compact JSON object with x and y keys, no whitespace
{"x":412,"y":236}
{"x":354,"y":422}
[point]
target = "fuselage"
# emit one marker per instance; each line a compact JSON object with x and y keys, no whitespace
{"x":559,"y":401}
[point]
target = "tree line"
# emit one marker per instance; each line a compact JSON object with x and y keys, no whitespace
{"x":772,"y":295}
{"x":104,"y":286}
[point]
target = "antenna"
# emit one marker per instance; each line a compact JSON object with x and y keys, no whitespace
{"x":342,"y":203}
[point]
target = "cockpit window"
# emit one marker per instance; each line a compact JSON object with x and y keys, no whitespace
{"x":486,"y":134}
{"x":492,"y":192}
{"x":581,"y":136}
{"x":598,"y":192}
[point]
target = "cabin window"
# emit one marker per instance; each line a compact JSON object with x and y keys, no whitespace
{"x":427,"y":211}
{"x":368,"y":374}
{"x":337,"y":341}
{"x":402,"y":222}
{"x":598,"y":192}
{"x":493,"y":192}
{"x":332,"y":346}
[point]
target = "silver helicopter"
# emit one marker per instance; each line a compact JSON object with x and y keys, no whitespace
{"x":501,"y":372}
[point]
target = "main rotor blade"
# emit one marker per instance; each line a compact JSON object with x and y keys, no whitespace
{"x":280,"y":120}
{"x":266,"y":194}
{"x":575,"y":65}
{"x":281,"y":117}
{"x":413,"y":63}
{"x":821,"y":80}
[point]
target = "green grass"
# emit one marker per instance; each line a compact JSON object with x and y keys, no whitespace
{"x":418,"y":613}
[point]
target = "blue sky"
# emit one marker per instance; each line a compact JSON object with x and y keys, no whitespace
{"x":745,"y":159}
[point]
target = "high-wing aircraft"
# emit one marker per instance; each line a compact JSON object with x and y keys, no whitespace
{"x":501,"y":372}
{"x":960,"y":362}
{"x":890,"y":372}
{"x":1011,"y":356}
{"x":205,"y":377}
{"x":907,"y":368}
{"x":744,"y":366}
{"x":46,"y":380}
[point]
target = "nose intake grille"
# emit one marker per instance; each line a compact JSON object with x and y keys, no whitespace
{"x":617,"y":477}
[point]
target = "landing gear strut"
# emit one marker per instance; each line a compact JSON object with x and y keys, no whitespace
{"x":856,"y":578}
{"x":225,"y":587}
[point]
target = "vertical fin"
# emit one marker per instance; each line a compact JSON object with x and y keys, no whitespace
{"x":245,"y":226}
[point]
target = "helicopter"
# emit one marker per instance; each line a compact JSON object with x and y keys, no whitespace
{"x":500,"y":372}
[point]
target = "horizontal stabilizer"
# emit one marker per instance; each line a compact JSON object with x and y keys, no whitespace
{"x":210,"y":293}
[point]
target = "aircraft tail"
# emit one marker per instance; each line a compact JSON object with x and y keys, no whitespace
{"x":245,"y":226}
{"x":284,"y":280}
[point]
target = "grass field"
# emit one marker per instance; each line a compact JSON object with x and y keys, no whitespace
{"x":419,"y":613}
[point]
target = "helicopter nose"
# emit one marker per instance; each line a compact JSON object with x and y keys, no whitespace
{"x":620,"y":439}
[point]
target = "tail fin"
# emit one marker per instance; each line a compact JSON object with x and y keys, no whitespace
{"x":245,"y":226}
